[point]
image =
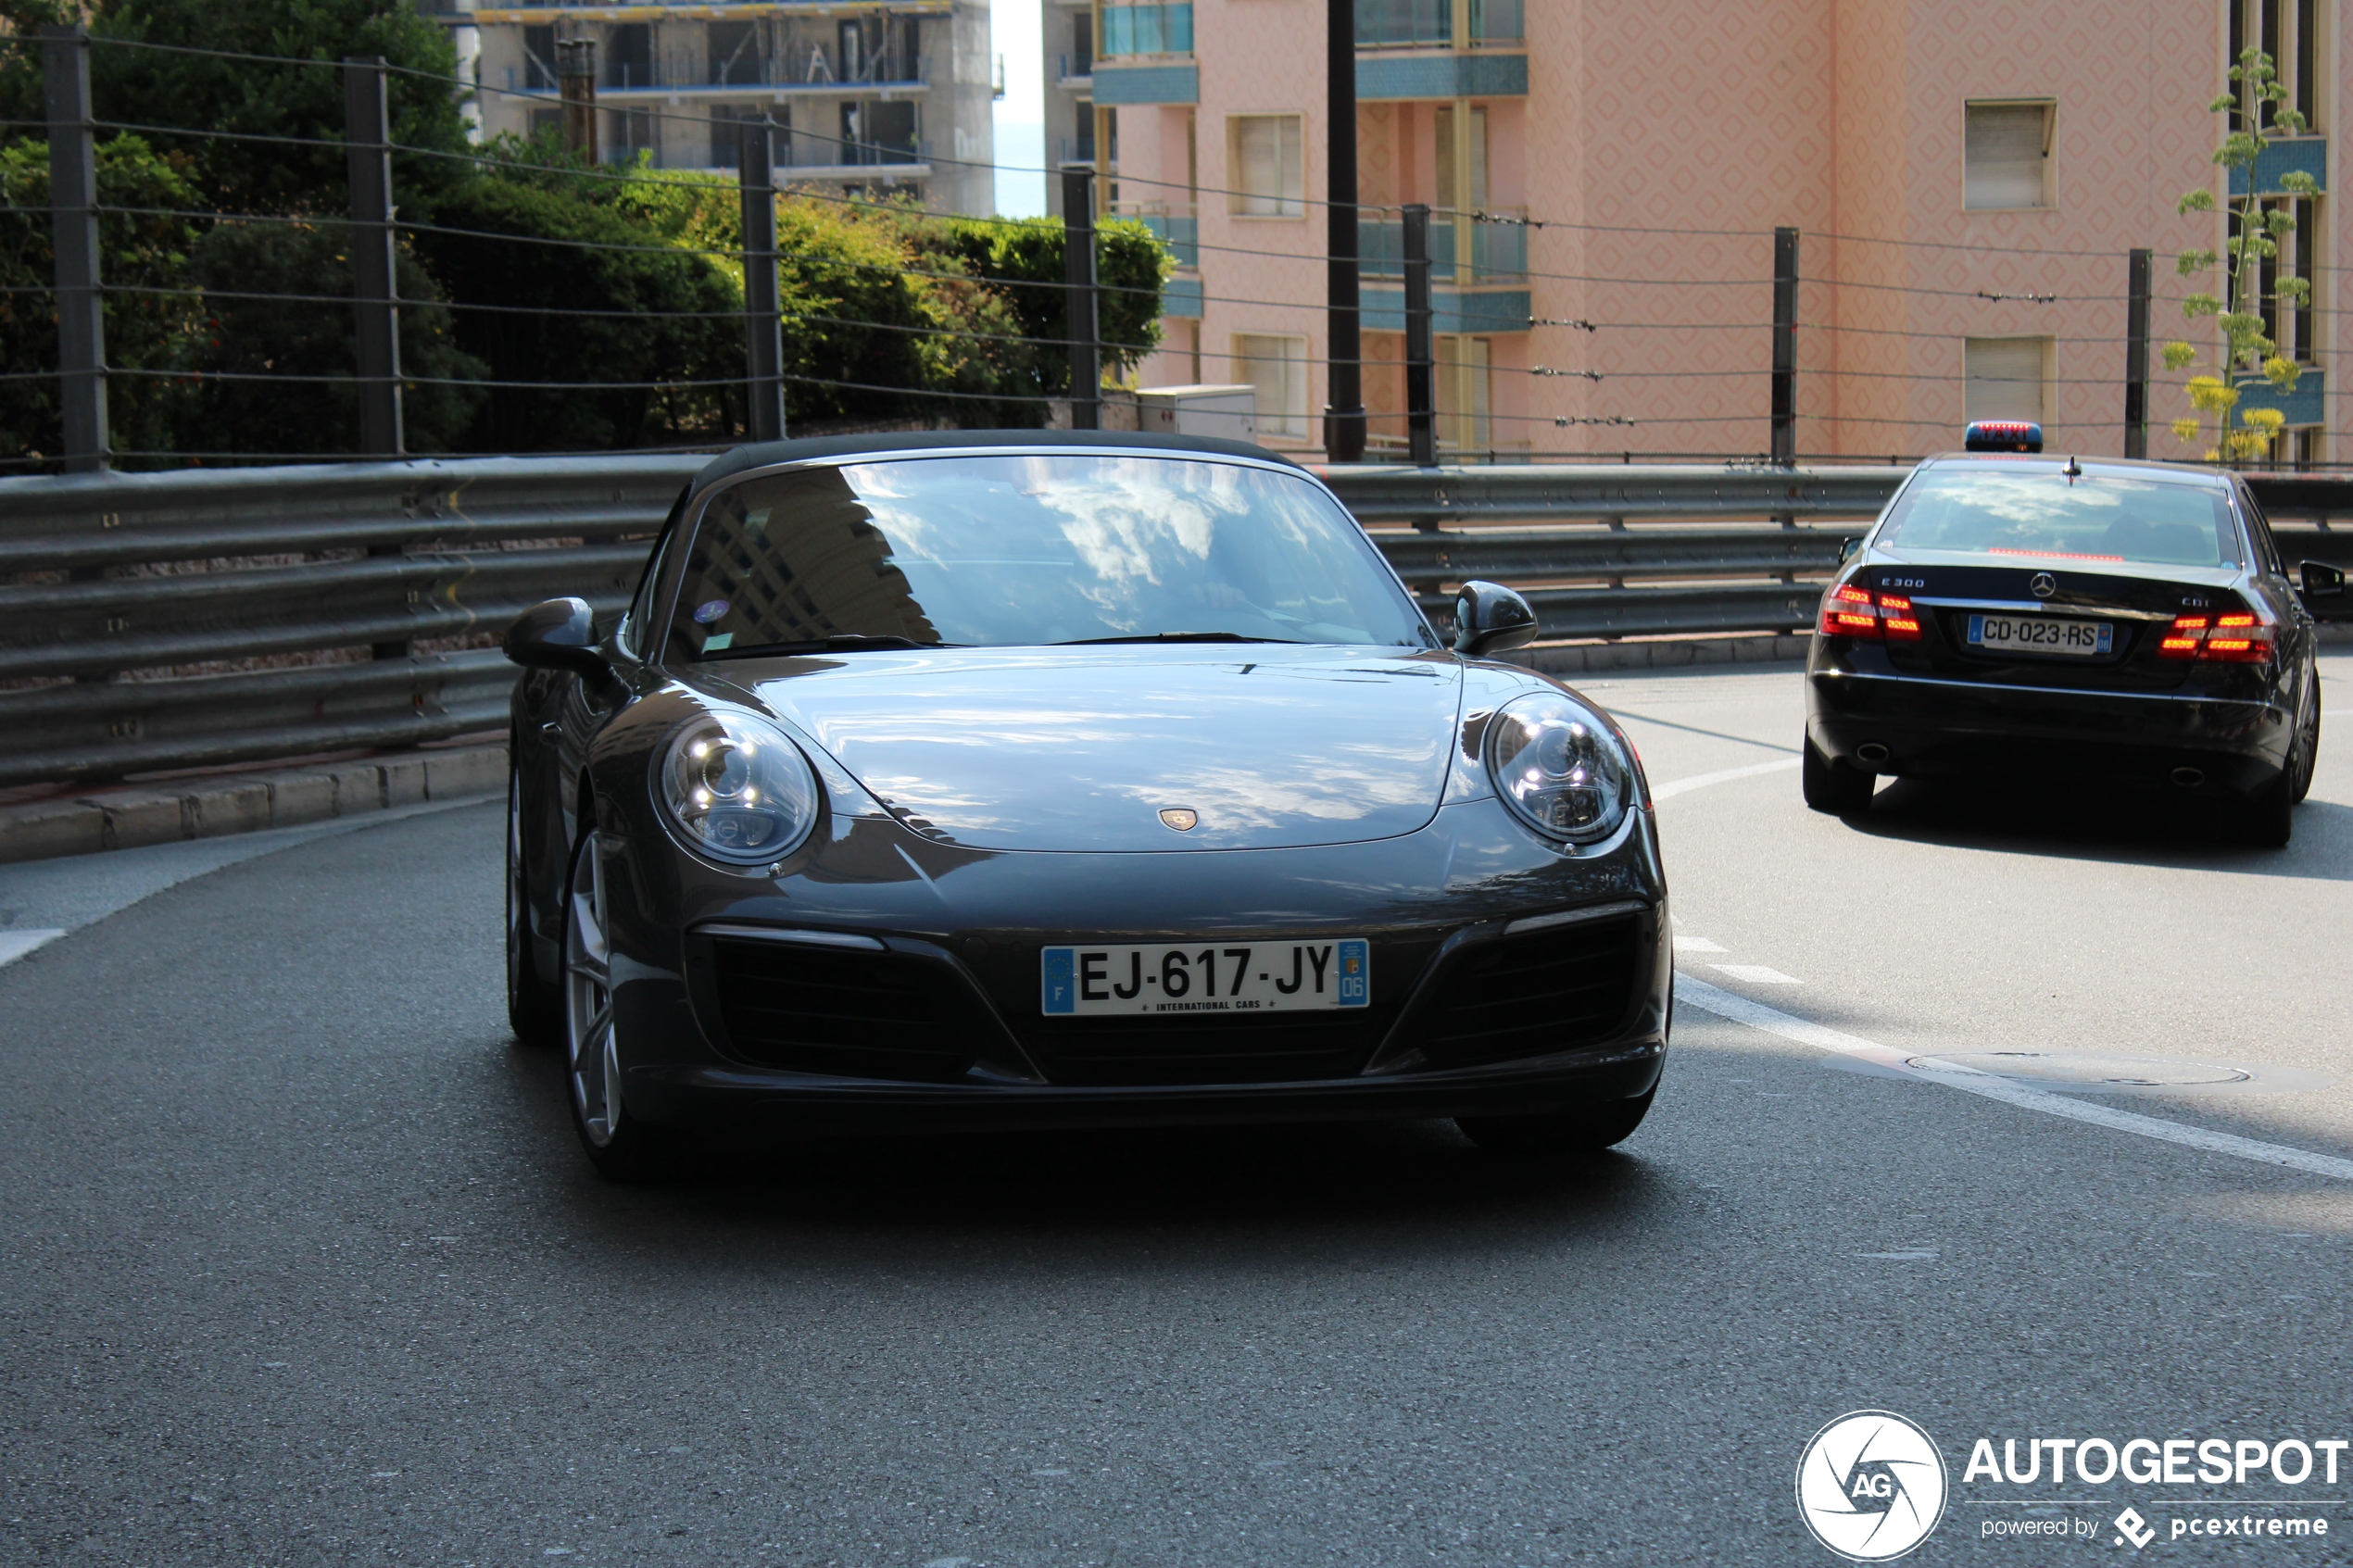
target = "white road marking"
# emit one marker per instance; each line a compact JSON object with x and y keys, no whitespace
{"x":15,"y":944}
{"x":1757,"y":975}
{"x":1701,"y":780}
{"x":1695,"y":944}
{"x":1772,"y":1020}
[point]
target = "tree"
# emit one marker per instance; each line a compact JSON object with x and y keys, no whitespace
{"x":300,"y":98}
{"x":2250,"y":359}
{"x":144,"y":331}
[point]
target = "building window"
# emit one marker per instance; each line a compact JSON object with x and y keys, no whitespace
{"x":538,"y":60}
{"x":632,"y":131}
{"x":1464,"y":387}
{"x":735,"y":55}
{"x":728,"y":123}
{"x":1277,"y":367}
{"x":629,"y":55}
{"x":2007,"y":155}
{"x":2005,"y":377}
{"x":1265,"y":154}
{"x":1454,"y":165}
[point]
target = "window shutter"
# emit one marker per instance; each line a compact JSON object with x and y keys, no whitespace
{"x":2004,"y":154}
{"x":2005,"y":378}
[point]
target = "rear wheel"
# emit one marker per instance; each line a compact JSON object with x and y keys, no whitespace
{"x":535,"y":1012}
{"x":2308,"y":743}
{"x":1836,"y":787}
{"x":617,"y":1144}
{"x":2265,"y":817}
{"x":1560,"y":1134}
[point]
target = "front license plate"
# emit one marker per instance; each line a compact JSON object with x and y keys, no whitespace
{"x":2036,"y":634}
{"x":1228,"y":978}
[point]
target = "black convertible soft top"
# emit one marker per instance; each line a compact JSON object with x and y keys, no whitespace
{"x":884,"y":443}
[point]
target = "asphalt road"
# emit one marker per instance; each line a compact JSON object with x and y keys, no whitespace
{"x":302,"y":1265}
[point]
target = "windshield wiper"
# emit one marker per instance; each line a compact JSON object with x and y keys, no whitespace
{"x":1172,"y":637}
{"x":840,"y":642}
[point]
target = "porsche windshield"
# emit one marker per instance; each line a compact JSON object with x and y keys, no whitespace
{"x":2041,"y":513}
{"x":1021,"y":550}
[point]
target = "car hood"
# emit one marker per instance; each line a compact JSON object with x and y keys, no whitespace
{"x":1082,"y":748}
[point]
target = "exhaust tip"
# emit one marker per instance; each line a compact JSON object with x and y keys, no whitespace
{"x":1872,"y":752}
{"x":2189,"y":778}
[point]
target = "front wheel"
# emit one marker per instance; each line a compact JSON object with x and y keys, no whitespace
{"x":617,"y":1144}
{"x":1560,"y":1134}
{"x":1832,"y":786}
{"x":534,"y":1007}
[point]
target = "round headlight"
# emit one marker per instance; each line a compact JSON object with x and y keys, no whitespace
{"x":737,"y":789}
{"x":1559,"y":767}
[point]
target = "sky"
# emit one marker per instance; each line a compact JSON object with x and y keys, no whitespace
{"x":1021,"y":113}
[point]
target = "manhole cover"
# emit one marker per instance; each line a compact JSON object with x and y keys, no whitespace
{"x":2089,"y":1070}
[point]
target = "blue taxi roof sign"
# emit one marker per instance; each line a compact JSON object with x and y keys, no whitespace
{"x":2002,"y":435}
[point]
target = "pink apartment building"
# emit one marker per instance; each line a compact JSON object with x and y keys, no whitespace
{"x":1967,"y":180}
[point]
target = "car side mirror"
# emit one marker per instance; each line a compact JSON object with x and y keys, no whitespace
{"x":1491,"y":618}
{"x":2324,"y":588}
{"x":1847,"y":547}
{"x":559,"y":634}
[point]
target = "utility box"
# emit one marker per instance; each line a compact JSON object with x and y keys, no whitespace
{"x":1229,"y":411}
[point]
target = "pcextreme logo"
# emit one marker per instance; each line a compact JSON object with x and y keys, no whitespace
{"x":1870,"y":1486}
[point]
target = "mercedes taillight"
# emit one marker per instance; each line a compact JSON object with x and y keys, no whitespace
{"x":1850,"y":611}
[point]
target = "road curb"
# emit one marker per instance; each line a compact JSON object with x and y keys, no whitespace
{"x":234,"y":803}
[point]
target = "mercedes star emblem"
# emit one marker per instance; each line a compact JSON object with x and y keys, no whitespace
{"x":2043,"y":584}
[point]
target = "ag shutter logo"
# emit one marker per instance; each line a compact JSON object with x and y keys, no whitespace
{"x":1871,"y":1485}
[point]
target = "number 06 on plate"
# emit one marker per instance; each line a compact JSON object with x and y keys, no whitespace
{"x":1243,"y":977}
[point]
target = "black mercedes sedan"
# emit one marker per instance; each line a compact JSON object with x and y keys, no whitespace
{"x":1026,"y":779}
{"x":2025,"y":617}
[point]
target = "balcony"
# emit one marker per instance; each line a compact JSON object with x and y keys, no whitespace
{"x":2299,"y":155}
{"x":1178,"y":228}
{"x":1161,"y":29}
{"x":1430,"y":24}
{"x":1499,"y":251}
{"x":1072,"y":73}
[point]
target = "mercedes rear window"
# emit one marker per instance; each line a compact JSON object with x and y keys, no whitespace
{"x":2042,"y":514}
{"x":1019,"y":550}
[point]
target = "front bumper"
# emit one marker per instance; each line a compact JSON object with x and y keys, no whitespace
{"x":971,"y":923}
{"x":1925,"y":727}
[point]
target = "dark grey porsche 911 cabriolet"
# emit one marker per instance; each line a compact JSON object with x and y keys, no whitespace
{"x":1026,"y":779}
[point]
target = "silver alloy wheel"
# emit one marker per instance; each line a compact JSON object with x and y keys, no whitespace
{"x":591,"y":1060}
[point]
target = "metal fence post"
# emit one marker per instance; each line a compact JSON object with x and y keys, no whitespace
{"x":366,"y":135}
{"x":1421,"y":369}
{"x":1785,"y":346}
{"x":73,"y":213}
{"x":764,"y":326}
{"x":2136,"y":354}
{"x":1081,"y":326}
{"x":1344,"y":422}
{"x":576,"y":84}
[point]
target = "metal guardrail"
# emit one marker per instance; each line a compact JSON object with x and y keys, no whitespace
{"x":156,"y":621}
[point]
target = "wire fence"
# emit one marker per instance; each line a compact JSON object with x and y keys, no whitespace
{"x":686,"y":351}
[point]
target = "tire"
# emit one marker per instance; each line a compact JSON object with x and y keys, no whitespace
{"x":535,"y":1007}
{"x":622,"y":1147}
{"x":2308,"y":746}
{"x":1834,"y":788}
{"x":1558,"y":1134}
